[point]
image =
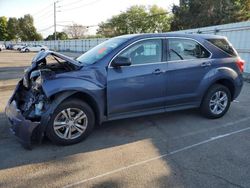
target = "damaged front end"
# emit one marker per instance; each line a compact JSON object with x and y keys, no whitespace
{"x":28,"y":107}
{"x":24,"y":112}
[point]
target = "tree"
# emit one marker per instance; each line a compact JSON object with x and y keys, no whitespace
{"x":12,"y":29}
{"x":27,"y":29}
{"x":22,"y":28}
{"x":59,"y":36}
{"x":137,"y":19}
{"x":3,"y":28}
{"x":200,"y":13}
{"x":158,"y":19}
{"x":76,"y":31}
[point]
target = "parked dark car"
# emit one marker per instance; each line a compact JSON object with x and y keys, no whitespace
{"x":9,"y":47}
{"x":126,"y":76}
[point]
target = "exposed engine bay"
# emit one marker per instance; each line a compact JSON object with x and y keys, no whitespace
{"x":29,"y":96}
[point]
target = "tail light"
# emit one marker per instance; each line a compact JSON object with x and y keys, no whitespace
{"x":240,"y":64}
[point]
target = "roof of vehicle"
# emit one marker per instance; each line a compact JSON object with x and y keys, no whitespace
{"x":172,"y":34}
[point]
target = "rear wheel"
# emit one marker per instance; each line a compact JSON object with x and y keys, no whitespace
{"x":71,"y":122}
{"x":216,"y":101}
{"x":26,"y":50}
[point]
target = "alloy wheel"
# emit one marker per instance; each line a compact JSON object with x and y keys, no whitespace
{"x":218,"y":102}
{"x":70,"y":123}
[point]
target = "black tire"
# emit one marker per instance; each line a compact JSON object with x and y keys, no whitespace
{"x":26,"y":50}
{"x":73,"y":104}
{"x":42,"y":49}
{"x":208,"y":100}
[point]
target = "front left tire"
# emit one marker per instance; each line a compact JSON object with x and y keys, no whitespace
{"x":72,"y":121}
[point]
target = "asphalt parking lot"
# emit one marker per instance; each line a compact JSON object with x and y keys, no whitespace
{"x":178,"y":149}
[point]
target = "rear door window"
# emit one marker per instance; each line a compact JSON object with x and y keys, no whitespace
{"x":224,"y":45}
{"x":184,"y":49}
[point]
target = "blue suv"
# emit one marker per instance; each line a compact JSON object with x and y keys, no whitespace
{"x":123,"y":77}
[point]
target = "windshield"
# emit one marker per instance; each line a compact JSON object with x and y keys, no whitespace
{"x":99,"y":51}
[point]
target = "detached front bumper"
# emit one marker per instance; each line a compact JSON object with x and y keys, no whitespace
{"x":21,"y":127}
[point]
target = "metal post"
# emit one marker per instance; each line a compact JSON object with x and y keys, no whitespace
{"x":55,"y":19}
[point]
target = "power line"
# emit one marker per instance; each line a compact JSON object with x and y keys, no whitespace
{"x":47,"y":12}
{"x":43,"y":21}
{"x":45,"y":29}
{"x":42,"y":10}
{"x":87,"y":26}
{"x":158,"y":14}
{"x":74,"y":2}
{"x":65,"y":21}
{"x":44,"y":17}
{"x":44,"y":14}
{"x":86,"y":4}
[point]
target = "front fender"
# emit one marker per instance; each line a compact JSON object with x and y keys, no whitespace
{"x":65,"y":87}
{"x":62,"y":85}
{"x":51,"y":87}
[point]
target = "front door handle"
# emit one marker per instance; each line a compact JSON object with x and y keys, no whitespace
{"x":157,"y":71}
{"x":205,"y":64}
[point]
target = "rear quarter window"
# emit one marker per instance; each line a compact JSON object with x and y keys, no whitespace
{"x":224,"y":45}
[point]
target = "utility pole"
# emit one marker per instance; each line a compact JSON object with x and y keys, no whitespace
{"x":55,"y":20}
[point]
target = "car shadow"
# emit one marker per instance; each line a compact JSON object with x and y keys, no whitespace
{"x":107,"y":135}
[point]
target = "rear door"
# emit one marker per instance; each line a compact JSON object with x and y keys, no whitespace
{"x":139,"y":87}
{"x":188,"y":64}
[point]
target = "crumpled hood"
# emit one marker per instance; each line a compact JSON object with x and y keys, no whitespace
{"x":43,"y":54}
{"x":95,"y":75}
{"x":40,"y":57}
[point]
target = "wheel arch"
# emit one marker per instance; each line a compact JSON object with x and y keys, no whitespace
{"x":227,"y":83}
{"x":222,"y":81}
{"x":81,"y":95}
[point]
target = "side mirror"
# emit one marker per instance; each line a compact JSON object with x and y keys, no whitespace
{"x":120,"y":61}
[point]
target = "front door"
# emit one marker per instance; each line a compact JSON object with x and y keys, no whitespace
{"x":139,"y":87}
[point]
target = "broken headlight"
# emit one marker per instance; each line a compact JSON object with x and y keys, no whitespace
{"x":36,"y":79}
{"x":26,"y":77}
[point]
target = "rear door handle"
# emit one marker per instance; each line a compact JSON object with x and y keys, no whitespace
{"x":157,"y":71}
{"x":205,"y":64}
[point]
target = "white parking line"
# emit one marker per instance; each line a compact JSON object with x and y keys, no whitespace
{"x":158,"y":157}
{"x":213,"y":128}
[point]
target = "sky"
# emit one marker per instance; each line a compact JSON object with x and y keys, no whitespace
{"x":84,"y":12}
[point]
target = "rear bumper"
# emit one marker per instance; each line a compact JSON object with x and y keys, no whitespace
{"x":20,"y":127}
{"x":238,"y":83}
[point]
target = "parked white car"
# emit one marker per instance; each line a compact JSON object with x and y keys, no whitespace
{"x":19,"y":46}
{"x":34,"y":48}
{"x":2,"y":47}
